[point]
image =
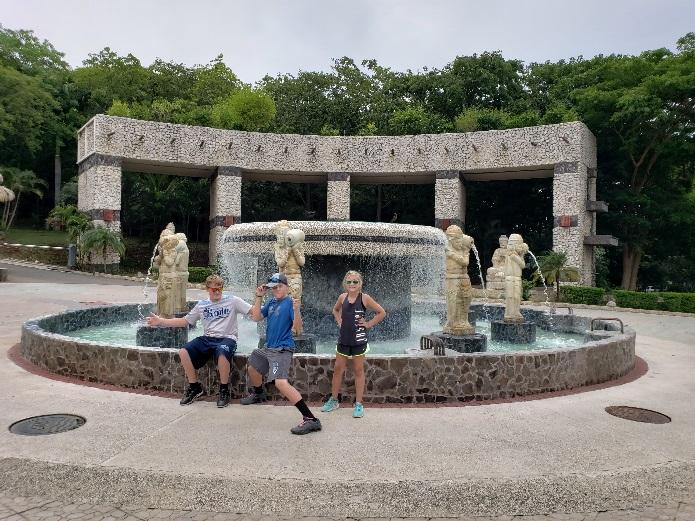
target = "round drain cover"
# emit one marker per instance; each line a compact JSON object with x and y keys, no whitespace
{"x":637,"y":415}
{"x":47,"y":424}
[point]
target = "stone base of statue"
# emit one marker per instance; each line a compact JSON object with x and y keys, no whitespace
{"x":161,"y":336}
{"x":514,"y":332}
{"x":303,"y":343}
{"x":473,"y":343}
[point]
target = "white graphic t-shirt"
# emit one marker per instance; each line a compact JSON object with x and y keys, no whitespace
{"x":219,"y":318}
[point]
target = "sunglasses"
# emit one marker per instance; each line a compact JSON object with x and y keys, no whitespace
{"x":217,"y":288}
{"x":352,"y":282}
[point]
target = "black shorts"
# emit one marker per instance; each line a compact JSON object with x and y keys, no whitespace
{"x":201,"y":348}
{"x":350,"y":351}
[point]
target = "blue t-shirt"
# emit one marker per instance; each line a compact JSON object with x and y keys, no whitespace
{"x":280,"y":315}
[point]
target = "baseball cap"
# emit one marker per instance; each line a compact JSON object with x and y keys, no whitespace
{"x":275,"y":279}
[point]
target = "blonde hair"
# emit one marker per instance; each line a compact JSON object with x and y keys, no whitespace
{"x":214,"y":278}
{"x":352,"y":272}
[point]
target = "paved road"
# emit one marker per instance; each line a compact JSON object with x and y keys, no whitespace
{"x":28,"y":274}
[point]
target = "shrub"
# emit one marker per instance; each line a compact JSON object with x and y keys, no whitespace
{"x":684,"y":302}
{"x":198,"y":274}
{"x":582,"y":295}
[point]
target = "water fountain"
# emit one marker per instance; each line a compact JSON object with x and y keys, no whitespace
{"x":567,"y":353}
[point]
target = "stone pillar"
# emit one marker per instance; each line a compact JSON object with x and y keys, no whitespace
{"x":449,"y":200}
{"x":338,"y":197}
{"x":99,"y":196}
{"x":225,"y":206}
{"x":571,"y":220}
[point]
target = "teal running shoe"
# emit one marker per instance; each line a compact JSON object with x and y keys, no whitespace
{"x":331,"y":405}
{"x":358,"y":410}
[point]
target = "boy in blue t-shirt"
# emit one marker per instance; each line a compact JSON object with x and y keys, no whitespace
{"x":275,"y":359}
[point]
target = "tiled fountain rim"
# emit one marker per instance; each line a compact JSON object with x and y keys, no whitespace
{"x":608,"y":330}
{"x":390,"y":378}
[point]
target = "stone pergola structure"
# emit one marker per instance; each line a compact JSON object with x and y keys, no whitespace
{"x":565,"y":152}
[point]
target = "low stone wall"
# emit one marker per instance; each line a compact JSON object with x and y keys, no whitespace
{"x":607,"y":355}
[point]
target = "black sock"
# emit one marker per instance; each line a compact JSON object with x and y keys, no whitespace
{"x":258,"y":390}
{"x":304,"y":409}
{"x":195,"y":385}
{"x":224,"y":387}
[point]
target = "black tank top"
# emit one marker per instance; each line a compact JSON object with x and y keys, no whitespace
{"x":350,"y":333}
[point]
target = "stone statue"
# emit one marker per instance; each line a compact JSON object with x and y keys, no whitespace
{"x":495,"y":273}
{"x":514,"y":263}
{"x":172,"y":262}
{"x":289,"y":255}
{"x":459,"y":293}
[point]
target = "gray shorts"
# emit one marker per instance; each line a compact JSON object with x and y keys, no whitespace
{"x":274,"y":364}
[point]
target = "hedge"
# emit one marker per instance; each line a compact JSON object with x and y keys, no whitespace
{"x":581,"y":295}
{"x":665,"y":301}
{"x":196,"y":274}
{"x":199,"y":274}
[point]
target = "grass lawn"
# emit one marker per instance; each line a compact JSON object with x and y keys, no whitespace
{"x":39,"y":237}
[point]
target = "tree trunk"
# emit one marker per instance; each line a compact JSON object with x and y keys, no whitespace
{"x":14,"y":210}
{"x":631,"y":260}
{"x":57,"y":173}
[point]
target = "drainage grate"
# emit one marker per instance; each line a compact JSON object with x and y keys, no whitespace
{"x":636,"y":414}
{"x":47,"y":424}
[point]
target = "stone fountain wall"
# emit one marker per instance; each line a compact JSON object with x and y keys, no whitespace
{"x":607,"y":355}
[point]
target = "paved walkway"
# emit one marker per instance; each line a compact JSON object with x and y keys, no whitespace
{"x":142,"y":457}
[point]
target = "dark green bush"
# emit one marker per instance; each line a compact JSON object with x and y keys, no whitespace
{"x":198,"y":274}
{"x":582,"y":295}
{"x":684,"y":302}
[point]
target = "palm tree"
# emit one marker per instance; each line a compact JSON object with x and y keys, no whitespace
{"x":68,"y":217}
{"x":101,"y":239}
{"x":553,"y":268}
{"x":20,"y":181}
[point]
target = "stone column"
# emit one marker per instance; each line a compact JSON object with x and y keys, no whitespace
{"x":338,"y":197}
{"x":99,"y":195}
{"x":449,"y":200}
{"x":225,"y":206}
{"x":571,"y":221}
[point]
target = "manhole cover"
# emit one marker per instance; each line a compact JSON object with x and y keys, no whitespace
{"x":47,"y":424}
{"x":637,"y":415}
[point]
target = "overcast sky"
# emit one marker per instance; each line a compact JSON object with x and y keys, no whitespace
{"x":270,"y":37}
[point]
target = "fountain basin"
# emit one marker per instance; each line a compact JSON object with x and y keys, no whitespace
{"x":607,"y":354}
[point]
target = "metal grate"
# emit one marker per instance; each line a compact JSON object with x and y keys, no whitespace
{"x":636,"y":414}
{"x":47,"y":424}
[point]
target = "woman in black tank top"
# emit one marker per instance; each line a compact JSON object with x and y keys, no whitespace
{"x":349,"y":312}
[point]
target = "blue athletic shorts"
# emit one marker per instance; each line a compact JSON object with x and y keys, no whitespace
{"x":201,"y":348}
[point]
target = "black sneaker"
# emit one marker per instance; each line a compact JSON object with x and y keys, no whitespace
{"x":223,"y":398}
{"x":308,"y":425}
{"x":253,"y":398}
{"x":191,"y":395}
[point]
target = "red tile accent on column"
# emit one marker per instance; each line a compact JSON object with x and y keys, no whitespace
{"x":565,"y":221}
{"x":228,"y":220}
{"x":108,"y":215}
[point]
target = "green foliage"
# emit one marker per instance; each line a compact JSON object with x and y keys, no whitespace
{"x":553,"y":268}
{"x":101,"y":239}
{"x":246,"y":109}
{"x":70,"y":219}
{"x":20,"y":182}
{"x":198,"y":274}
{"x":683,"y":302}
{"x":582,"y":295}
{"x":526,"y":287}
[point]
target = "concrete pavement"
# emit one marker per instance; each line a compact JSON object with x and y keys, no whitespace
{"x":563,"y":455}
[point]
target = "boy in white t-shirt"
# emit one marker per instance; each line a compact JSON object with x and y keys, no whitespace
{"x":220,"y":332}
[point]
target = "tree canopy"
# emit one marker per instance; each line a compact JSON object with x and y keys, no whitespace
{"x":641,"y":109}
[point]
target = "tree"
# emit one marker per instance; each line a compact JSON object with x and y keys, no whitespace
{"x":246,"y":109}
{"x":19,"y":181}
{"x":552,"y":268}
{"x":643,"y":108}
{"x":101,"y":239}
